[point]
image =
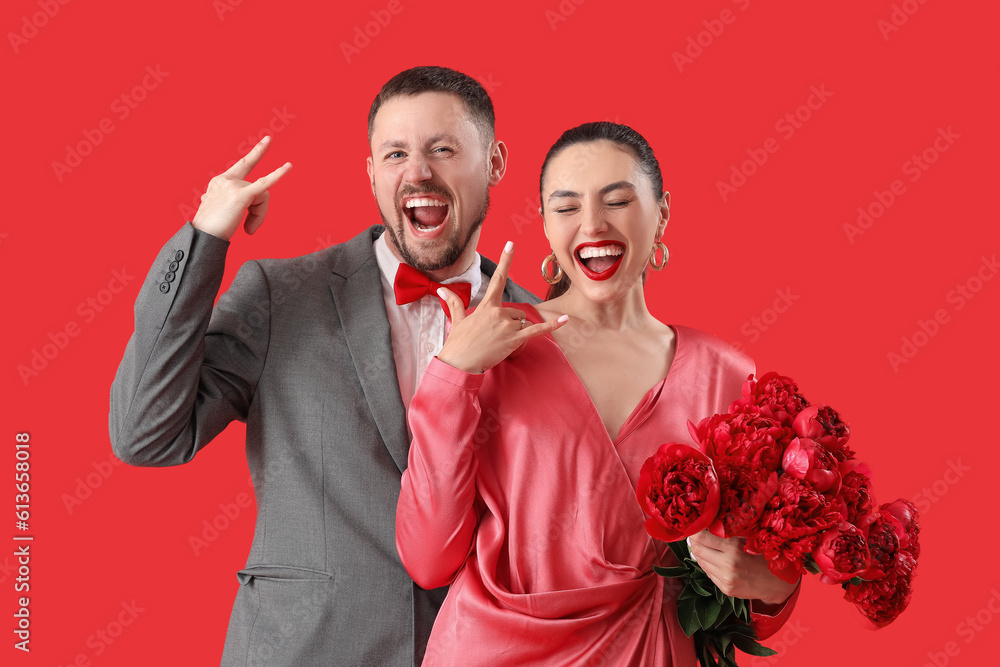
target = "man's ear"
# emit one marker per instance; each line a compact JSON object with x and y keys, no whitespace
{"x":371,"y":173}
{"x":498,"y":162}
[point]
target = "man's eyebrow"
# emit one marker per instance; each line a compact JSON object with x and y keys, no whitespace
{"x":618,"y":185}
{"x":391,"y":143}
{"x":399,"y":143}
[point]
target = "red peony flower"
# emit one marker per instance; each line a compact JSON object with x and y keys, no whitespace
{"x":823,"y":424}
{"x":774,"y":396}
{"x":745,"y":492}
{"x":855,"y":498}
{"x":791,"y":527}
{"x":882,"y":532}
{"x":908,"y":517}
{"x":811,"y":462}
{"x":747,"y":439}
{"x":842,"y":553}
{"x":679,"y":492}
{"x":883,"y":600}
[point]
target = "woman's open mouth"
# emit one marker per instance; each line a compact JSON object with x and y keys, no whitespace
{"x":426,"y":213}
{"x":600,"y":260}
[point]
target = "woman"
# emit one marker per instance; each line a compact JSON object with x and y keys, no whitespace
{"x":531,"y":425}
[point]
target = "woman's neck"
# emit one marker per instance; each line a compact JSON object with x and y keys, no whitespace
{"x":626,"y":314}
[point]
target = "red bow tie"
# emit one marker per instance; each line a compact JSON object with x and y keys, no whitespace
{"x":411,"y":285}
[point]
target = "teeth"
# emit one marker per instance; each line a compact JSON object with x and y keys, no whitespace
{"x":424,"y":201}
{"x":424,"y":228}
{"x":601,"y":251}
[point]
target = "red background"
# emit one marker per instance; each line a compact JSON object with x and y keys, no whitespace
{"x":549,"y":66}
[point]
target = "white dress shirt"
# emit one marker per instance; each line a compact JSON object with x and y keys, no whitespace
{"x":418,"y":329}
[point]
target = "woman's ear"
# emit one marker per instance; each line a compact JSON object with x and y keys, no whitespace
{"x":664,"y":214}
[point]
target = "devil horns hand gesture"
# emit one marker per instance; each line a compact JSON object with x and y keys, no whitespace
{"x":480,"y":341}
{"x":229,"y":196}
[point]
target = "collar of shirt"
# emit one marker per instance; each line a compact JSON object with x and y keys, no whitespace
{"x":388,"y":264}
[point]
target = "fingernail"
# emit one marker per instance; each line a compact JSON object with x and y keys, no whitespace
{"x":563,"y":318}
{"x":442,"y":294}
{"x":265,"y":140}
{"x":509,"y":248}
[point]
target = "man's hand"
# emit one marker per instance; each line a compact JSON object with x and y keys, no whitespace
{"x":492,"y":332}
{"x":736,"y":572}
{"x":229,"y":195}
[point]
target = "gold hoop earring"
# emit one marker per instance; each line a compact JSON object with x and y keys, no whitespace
{"x":555,"y":277}
{"x":663,"y":260}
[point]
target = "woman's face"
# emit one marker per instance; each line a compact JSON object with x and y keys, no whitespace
{"x":601,"y":218}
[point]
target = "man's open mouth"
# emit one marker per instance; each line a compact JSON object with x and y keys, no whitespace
{"x":426,"y":213}
{"x":599,"y":260}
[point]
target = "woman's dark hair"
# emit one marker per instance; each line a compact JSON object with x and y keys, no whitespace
{"x":622,"y":136}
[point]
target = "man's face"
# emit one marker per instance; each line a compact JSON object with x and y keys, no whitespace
{"x":431,"y":170}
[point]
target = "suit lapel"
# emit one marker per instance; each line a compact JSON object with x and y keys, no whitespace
{"x":356,"y":286}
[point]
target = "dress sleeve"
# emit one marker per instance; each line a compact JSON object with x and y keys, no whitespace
{"x":766,"y":625}
{"x":436,"y":516}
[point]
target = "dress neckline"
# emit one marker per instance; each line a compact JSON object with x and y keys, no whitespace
{"x":641,"y":409}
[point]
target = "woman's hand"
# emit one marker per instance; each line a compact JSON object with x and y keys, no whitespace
{"x":736,"y":572}
{"x":492,"y":332}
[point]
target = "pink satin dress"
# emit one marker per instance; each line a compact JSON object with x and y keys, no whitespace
{"x":516,"y":496}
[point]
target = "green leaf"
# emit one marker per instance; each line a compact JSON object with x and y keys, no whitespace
{"x":751,"y":646}
{"x":671,"y":571}
{"x":687,"y":616}
{"x":693,"y":583}
{"x":688,"y":593}
{"x":679,"y":549}
{"x":708,"y":611}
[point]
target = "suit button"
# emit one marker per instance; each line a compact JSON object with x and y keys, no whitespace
{"x":173,"y":266}
{"x":164,"y":287}
{"x":169,"y":276}
{"x":179,"y":255}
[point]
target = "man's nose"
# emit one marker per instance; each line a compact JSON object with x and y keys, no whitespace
{"x":418,"y":169}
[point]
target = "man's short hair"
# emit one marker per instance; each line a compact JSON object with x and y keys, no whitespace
{"x":439,"y":79}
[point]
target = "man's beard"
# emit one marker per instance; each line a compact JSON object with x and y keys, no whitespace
{"x":452,"y":251}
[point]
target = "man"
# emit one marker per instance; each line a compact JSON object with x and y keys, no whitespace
{"x":319,"y":357}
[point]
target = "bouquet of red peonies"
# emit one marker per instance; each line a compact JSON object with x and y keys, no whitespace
{"x":778,"y":472}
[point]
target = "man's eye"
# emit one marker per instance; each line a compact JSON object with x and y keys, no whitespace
{"x":443,"y":149}
{"x":395,"y":155}
{"x":619,"y":204}
{"x":566,"y":209}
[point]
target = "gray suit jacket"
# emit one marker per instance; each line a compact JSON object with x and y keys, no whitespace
{"x":299,"y":349}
